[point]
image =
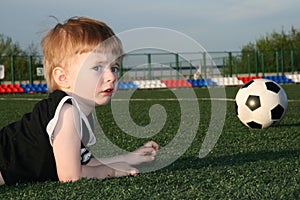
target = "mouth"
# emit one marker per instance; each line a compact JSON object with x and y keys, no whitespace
{"x":108,"y":91}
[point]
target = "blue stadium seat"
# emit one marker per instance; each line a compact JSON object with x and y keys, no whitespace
{"x":199,"y":83}
{"x":279,"y":79}
{"x":126,"y":85}
{"x":210,"y":82}
{"x":193,"y":82}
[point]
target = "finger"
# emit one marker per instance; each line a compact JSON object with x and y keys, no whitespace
{"x":146,"y":151}
{"x":147,"y":158}
{"x":152,"y":144}
{"x":133,"y":172}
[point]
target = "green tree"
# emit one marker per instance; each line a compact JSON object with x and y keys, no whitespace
{"x":11,"y":54}
{"x":295,"y":45}
{"x":272,"y":52}
{"x":7,"y":50}
{"x":247,"y":58}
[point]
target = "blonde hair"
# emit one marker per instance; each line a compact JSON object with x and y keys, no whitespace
{"x":76,"y":36}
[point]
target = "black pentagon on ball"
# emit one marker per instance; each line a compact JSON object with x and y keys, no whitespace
{"x":254,"y":125}
{"x":247,"y":84}
{"x":272,"y":87}
{"x":277,"y":112}
{"x":253,"y":102}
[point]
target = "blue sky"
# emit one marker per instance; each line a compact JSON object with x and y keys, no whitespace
{"x":224,"y":25}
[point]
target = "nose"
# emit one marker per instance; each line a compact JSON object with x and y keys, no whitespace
{"x":109,"y":76}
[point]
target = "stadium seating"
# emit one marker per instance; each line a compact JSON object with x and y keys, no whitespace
{"x":294,"y":77}
{"x":248,"y":78}
{"x":202,"y":82}
{"x":23,"y":88}
{"x":176,"y":83}
{"x":156,"y":84}
{"x":126,"y":85}
{"x":10,"y":89}
{"x":227,"y":81}
{"x":278,"y":79}
{"x":149,"y":84}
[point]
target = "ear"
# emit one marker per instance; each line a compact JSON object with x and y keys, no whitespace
{"x":60,"y":77}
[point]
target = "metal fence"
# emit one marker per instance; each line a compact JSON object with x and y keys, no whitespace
{"x":182,"y":65}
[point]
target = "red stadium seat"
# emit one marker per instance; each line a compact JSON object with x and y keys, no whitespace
{"x":7,"y":90}
{"x":20,"y":90}
{"x":14,"y":90}
{"x":2,"y":90}
{"x":176,"y":83}
{"x":11,"y":86}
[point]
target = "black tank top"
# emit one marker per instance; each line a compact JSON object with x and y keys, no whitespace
{"x":26,"y":153}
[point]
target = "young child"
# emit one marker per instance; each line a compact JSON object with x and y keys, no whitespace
{"x":81,"y":63}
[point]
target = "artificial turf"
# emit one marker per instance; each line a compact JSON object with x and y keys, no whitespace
{"x":244,"y":164}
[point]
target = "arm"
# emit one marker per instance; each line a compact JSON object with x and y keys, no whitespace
{"x":66,"y":148}
{"x":145,"y":153}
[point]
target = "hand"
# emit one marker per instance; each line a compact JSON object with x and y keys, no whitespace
{"x":123,"y":169}
{"x":145,"y":153}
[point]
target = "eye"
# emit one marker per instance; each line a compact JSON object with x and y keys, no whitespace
{"x":98,"y":68}
{"x":114,"y":69}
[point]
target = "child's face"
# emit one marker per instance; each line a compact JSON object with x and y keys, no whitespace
{"x":95,"y":80}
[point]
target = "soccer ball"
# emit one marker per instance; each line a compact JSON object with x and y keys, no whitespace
{"x":260,"y":103}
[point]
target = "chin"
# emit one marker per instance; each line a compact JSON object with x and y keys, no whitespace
{"x":102,"y":103}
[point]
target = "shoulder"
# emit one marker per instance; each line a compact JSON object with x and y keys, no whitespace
{"x":69,"y":112}
{"x":68,"y":121}
{"x":65,"y":115}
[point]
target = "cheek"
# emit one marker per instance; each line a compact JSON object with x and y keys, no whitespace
{"x":99,"y":82}
{"x":86,"y":84}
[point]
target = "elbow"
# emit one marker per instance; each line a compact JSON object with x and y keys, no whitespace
{"x":70,"y":175}
{"x":68,"y":178}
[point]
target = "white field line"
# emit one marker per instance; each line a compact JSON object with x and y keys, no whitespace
{"x":21,"y":99}
{"x":146,"y":99}
{"x":190,"y":99}
{"x":174,"y":99}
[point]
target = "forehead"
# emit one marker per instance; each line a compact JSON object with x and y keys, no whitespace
{"x":95,"y":58}
{"x":98,"y":57}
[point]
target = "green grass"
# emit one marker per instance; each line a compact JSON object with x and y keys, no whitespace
{"x":244,"y":164}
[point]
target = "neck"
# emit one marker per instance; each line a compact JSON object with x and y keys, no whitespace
{"x":86,"y":106}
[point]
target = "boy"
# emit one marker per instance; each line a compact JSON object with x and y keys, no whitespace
{"x":81,"y":63}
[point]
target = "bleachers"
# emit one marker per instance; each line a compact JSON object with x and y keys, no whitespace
{"x":248,"y":78}
{"x":294,"y":77}
{"x":176,"y":83}
{"x":279,"y":79}
{"x":126,"y":85}
{"x":10,"y":89}
{"x":35,"y":88}
{"x":149,"y":84}
{"x":23,"y":88}
{"x":156,"y":84}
